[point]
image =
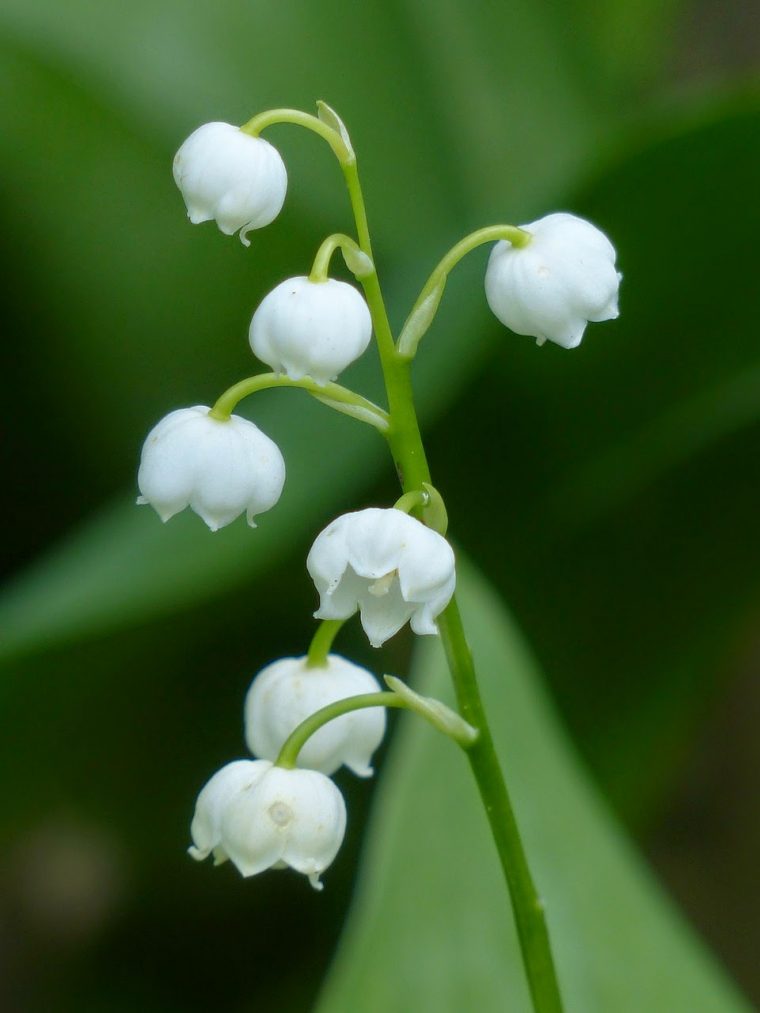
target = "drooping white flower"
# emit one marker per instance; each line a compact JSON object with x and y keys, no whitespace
{"x":386,"y":564}
{"x":228,"y":175}
{"x":262,"y":817}
{"x":552,"y":287}
{"x":217,"y":468}
{"x":288,"y":691}
{"x":311,"y":328}
{"x":206,"y":828}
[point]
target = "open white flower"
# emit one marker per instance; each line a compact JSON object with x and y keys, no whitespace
{"x":217,"y":468}
{"x":552,"y":287}
{"x":262,"y":817}
{"x":227,"y":175}
{"x":311,"y":328}
{"x":386,"y":564}
{"x":288,"y":691}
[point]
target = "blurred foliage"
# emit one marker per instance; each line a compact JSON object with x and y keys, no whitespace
{"x":609,"y":494}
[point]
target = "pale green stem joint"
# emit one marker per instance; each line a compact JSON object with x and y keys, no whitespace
{"x":358,"y":263}
{"x":437,"y":713}
{"x":411,"y":501}
{"x":428,"y":503}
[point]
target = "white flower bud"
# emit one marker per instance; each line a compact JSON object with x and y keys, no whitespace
{"x":217,"y":468}
{"x":262,"y":817}
{"x":389,"y":566}
{"x":311,"y":328}
{"x":288,"y":691}
{"x":552,"y":287}
{"x":227,"y":175}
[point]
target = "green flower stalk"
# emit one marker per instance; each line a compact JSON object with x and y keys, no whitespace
{"x":306,"y":717}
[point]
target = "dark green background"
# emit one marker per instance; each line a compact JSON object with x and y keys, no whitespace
{"x":610,"y":494}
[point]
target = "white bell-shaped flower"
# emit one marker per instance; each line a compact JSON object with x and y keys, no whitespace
{"x":553,"y":286}
{"x":288,"y":691}
{"x":217,"y":468}
{"x":206,"y":828}
{"x":262,"y":817}
{"x":311,"y":328}
{"x":227,"y":175}
{"x":386,"y":564}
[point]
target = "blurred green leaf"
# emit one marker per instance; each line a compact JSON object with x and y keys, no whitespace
{"x":625,"y":537}
{"x":685,"y":369}
{"x":431,"y":926}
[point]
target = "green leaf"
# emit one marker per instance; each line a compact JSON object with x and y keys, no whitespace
{"x":621,"y":531}
{"x":431,"y":928}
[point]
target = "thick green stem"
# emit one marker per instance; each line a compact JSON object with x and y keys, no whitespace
{"x":528,"y":906}
{"x":332,"y":393}
{"x":406,"y":445}
{"x":322,"y":641}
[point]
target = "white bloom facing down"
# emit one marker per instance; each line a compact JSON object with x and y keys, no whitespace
{"x":218,"y":468}
{"x":262,"y":817}
{"x":227,"y":175}
{"x":288,"y":691}
{"x":552,"y":287}
{"x":386,"y":564}
{"x":311,"y":328}
{"x":206,"y":828}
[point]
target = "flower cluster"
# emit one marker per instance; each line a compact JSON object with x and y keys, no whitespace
{"x":392,"y":569}
{"x":391,"y":565}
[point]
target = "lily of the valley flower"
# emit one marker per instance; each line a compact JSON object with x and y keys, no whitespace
{"x":232,"y":177}
{"x":386,"y":564}
{"x":206,"y":828}
{"x":311,"y":328}
{"x":219,"y":468}
{"x":260,"y":817}
{"x":560,"y":280}
{"x":288,"y":691}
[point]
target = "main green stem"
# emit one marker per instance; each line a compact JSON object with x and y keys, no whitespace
{"x":408,"y":451}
